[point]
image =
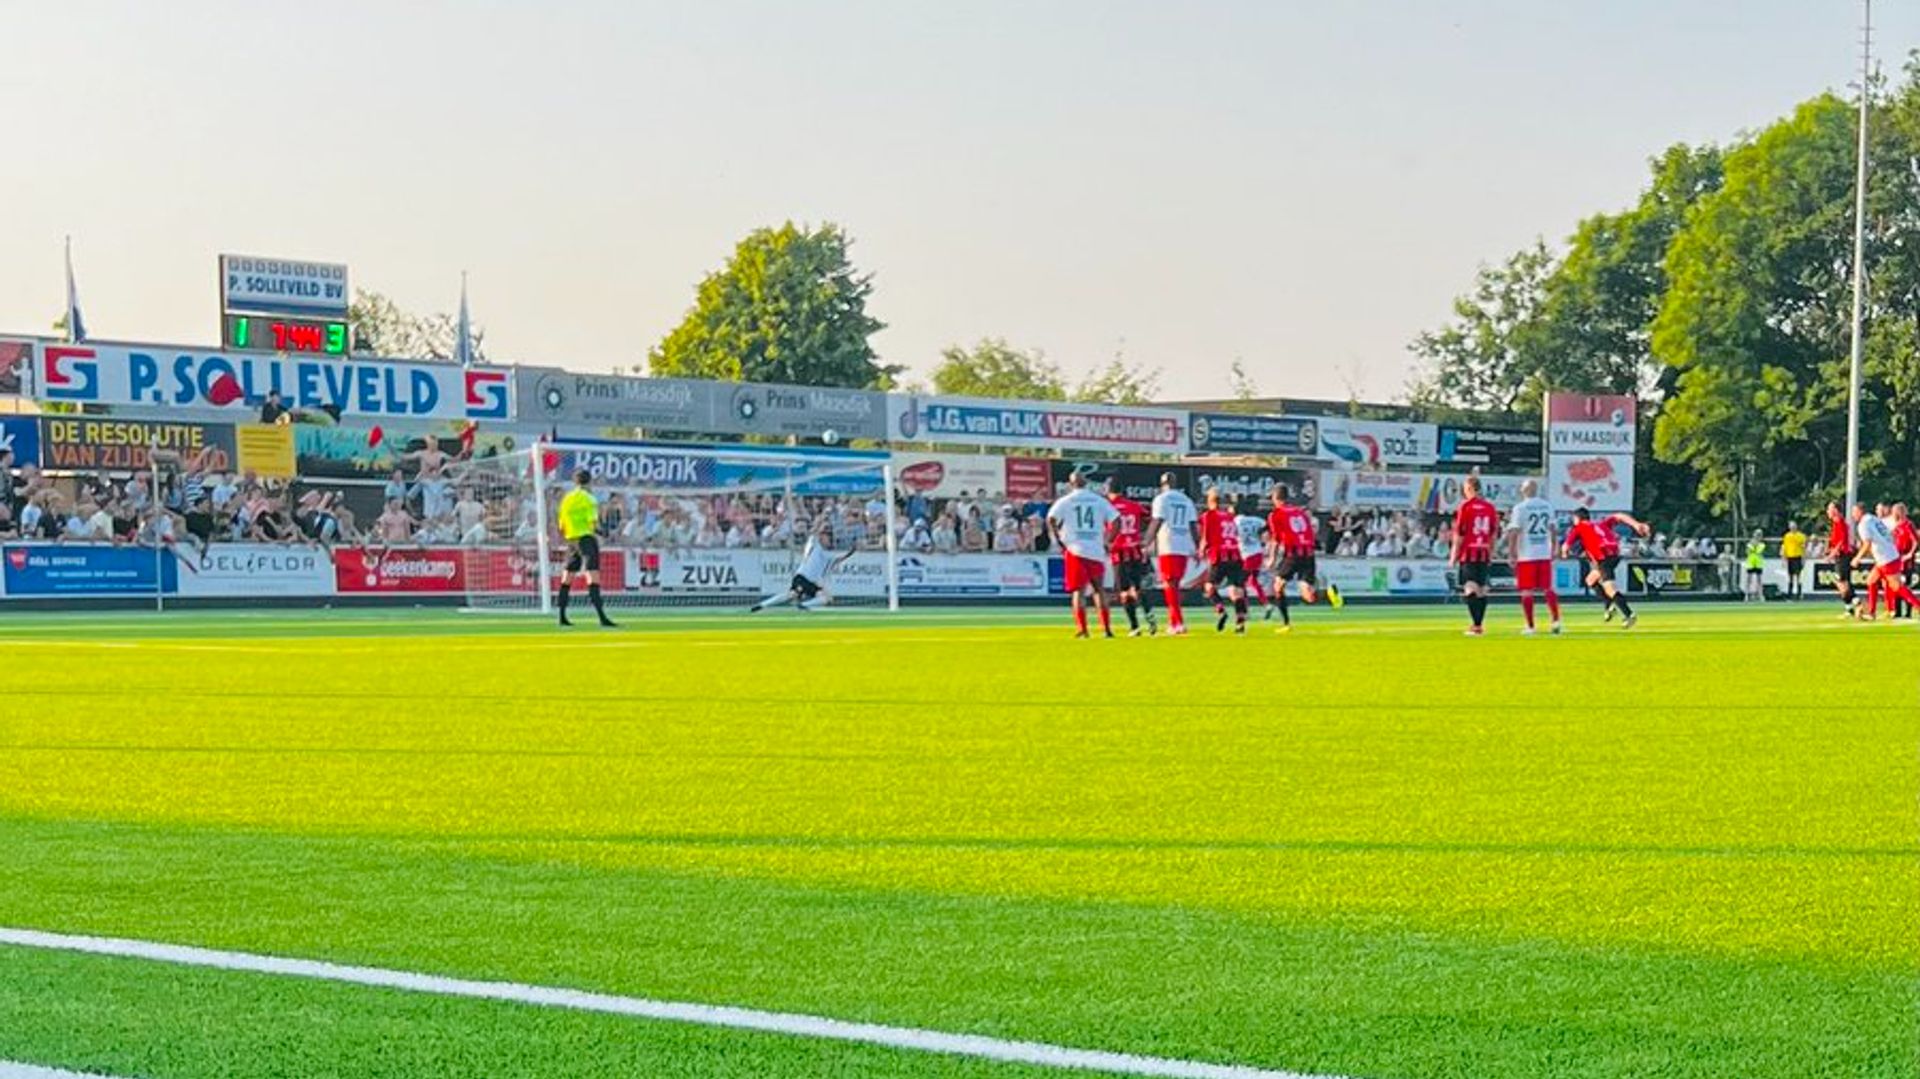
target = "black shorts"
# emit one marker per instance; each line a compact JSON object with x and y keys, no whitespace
{"x":1296,"y":567}
{"x":1842,"y":565}
{"x":1755,"y":571}
{"x":1231,"y":573}
{"x":1475,"y":573}
{"x":1793,"y":566}
{"x":1129,"y":575}
{"x":1608,"y":568}
{"x":803,"y":588}
{"x":583,"y":555}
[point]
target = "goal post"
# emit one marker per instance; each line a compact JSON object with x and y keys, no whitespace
{"x":682,"y":526}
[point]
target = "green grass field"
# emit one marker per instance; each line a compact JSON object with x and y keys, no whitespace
{"x":1372,"y":849}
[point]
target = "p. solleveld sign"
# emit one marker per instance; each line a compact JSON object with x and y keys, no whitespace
{"x":162,"y":375}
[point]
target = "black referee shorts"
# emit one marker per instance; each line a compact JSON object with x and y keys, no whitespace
{"x":583,"y":555}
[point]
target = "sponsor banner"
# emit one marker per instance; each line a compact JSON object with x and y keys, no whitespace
{"x":988,"y":575}
{"x":1137,"y":480}
{"x":1046,"y":425}
{"x":272,"y":286}
{"x":265,"y":449}
{"x":344,"y":453}
{"x":1509,"y":450}
{"x":1371,"y":444}
{"x":372,"y":571}
{"x":16,"y":362}
{"x":1586,"y":424}
{"x":21,"y":435}
{"x":190,"y":378}
{"x":951,"y":475}
{"x":1369,"y":490}
{"x":1662,"y":578}
{"x":1426,"y":577}
{"x":86,"y":570}
{"x":1823,"y":576}
{"x":249,"y":569}
{"x":1602,"y":483}
{"x":1278,"y":436}
{"x":89,"y":444}
{"x":703,"y":572}
{"x":1442,"y":492}
{"x":1242,"y":484}
{"x":557,"y":398}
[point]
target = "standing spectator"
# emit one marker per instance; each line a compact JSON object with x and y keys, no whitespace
{"x":272,"y":410}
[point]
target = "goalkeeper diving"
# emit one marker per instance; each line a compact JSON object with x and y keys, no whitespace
{"x":808,"y":589}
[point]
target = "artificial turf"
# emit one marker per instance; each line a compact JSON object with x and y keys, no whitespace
{"x":1372,"y":848}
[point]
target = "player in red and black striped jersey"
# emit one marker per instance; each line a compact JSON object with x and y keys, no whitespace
{"x":1226,"y":568}
{"x":1600,"y":544}
{"x":1292,"y":544}
{"x":1476,"y":525}
{"x":1126,"y":544}
{"x":1840,"y":551}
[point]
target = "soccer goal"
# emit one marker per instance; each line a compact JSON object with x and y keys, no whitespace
{"x":680,"y":527}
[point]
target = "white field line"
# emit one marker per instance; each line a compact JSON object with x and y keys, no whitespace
{"x":709,"y":1015}
{"x":11,"y":1070}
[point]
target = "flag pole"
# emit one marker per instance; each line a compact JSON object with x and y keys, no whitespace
{"x":1855,"y":361}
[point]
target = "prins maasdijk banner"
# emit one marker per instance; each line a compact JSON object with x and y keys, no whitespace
{"x":178,"y":377}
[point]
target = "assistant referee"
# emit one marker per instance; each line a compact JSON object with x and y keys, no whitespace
{"x":579,"y":525}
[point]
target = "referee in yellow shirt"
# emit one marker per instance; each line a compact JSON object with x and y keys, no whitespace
{"x":579,"y":525}
{"x":1793,"y":548}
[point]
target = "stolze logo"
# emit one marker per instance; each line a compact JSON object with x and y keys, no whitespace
{"x":487,"y":395}
{"x":69,"y":374}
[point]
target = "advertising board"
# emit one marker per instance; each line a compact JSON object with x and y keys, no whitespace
{"x":1040,"y":424}
{"x":85,"y":570}
{"x":1371,"y":444}
{"x":295,"y":286}
{"x":90,"y":444}
{"x":21,"y":436}
{"x":253,"y":569}
{"x":158,"y":375}
{"x":1274,"y":436}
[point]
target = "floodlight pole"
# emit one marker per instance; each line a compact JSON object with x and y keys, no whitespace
{"x":1859,"y":258}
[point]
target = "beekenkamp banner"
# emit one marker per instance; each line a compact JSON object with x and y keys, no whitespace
{"x":587,"y":403}
{"x":158,"y":375}
{"x":978,"y":421}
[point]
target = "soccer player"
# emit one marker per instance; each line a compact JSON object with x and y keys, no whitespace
{"x":1079,"y":522}
{"x":1889,"y":569}
{"x":1291,"y":545}
{"x":1175,"y":533}
{"x":580,"y":527}
{"x":808,"y":589}
{"x":1530,"y":533}
{"x":1226,"y":568}
{"x":1601,"y":545}
{"x":1253,"y":551}
{"x":1130,"y":562}
{"x":1475,"y":525}
{"x":1840,"y":551}
{"x":1793,"y":548}
{"x":1907,"y":539}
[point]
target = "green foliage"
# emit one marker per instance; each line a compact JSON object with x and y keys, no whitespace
{"x":787,"y":307}
{"x":380,"y":327}
{"x":1118,"y":383}
{"x":994,"y":368}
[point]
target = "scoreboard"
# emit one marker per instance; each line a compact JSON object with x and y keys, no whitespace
{"x":280,"y":333}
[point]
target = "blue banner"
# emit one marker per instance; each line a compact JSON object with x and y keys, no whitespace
{"x":21,"y":434}
{"x":39,"y":570}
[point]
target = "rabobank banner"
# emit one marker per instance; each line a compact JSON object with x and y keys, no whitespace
{"x":158,"y":375}
{"x":978,"y":421}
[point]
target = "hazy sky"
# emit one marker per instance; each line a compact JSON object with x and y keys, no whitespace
{"x":1303,"y":185}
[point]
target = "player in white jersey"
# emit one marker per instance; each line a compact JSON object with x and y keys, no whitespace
{"x":1079,"y":522}
{"x":1253,"y":551}
{"x":1175,"y":534}
{"x":1530,"y":534}
{"x":1889,"y":568}
{"x":808,"y":589}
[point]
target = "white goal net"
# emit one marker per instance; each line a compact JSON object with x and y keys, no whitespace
{"x":680,"y":527}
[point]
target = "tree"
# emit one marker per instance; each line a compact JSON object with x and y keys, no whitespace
{"x":1489,"y":357}
{"x":380,"y":327}
{"x":994,"y":368}
{"x":1119,"y":383}
{"x":787,"y":307}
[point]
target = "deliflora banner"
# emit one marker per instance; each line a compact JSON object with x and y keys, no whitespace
{"x":154,"y":375}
